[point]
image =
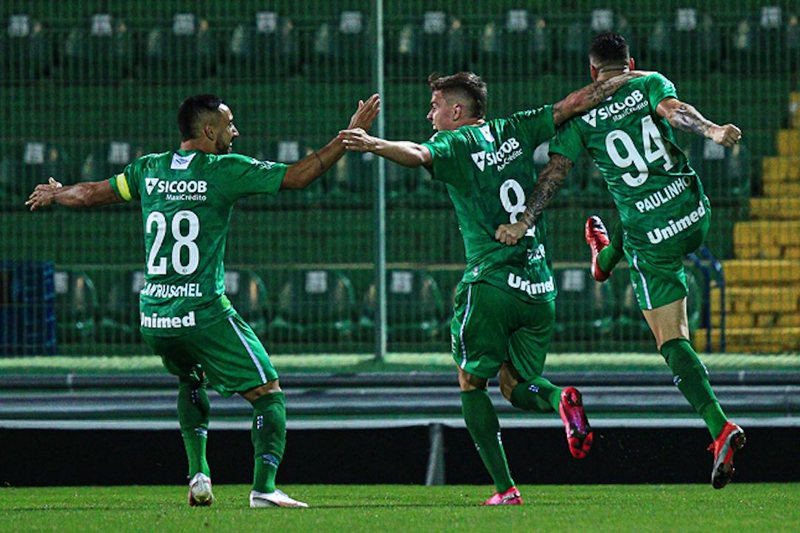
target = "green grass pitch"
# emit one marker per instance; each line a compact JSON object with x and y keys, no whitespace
{"x":351,"y":509}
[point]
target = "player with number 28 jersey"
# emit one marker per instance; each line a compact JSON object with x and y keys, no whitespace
{"x":186,"y":199}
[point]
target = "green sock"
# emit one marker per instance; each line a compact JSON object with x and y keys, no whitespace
{"x":609,"y":256}
{"x":484,"y":429}
{"x":538,"y":395}
{"x":193,"y":410}
{"x":269,"y":439}
{"x":691,"y":378}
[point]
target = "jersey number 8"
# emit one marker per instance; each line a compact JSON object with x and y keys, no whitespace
{"x":516,"y":208}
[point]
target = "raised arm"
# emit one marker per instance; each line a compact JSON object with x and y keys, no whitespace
{"x":405,"y":153}
{"x":299,"y":175}
{"x":546,"y":187}
{"x":685,"y":117}
{"x":89,"y":194}
{"x":582,"y":100}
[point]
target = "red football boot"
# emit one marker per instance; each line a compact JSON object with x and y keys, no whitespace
{"x":579,"y":432}
{"x":596,"y":237}
{"x":730,"y":440}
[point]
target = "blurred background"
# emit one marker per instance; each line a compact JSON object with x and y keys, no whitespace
{"x":89,"y":85}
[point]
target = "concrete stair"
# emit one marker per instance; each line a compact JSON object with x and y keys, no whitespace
{"x":762,"y":304}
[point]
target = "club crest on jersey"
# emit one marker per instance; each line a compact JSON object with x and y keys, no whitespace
{"x":181,"y":162}
{"x":487,"y":133}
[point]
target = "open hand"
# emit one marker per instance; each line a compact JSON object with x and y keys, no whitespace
{"x":42,"y":195}
{"x":366,"y":113}
{"x":510,"y":233}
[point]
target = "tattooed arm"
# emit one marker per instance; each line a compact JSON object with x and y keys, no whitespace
{"x":549,"y":182}
{"x":588,"y":97}
{"x":685,"y":117}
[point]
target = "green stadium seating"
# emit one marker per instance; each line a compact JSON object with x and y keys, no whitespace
{"x":725,"y":172}
{"x":342,"y":49}
{"x":185,"y":51}
{"x":686,"y":44}
{"x":415,"y":308}
{"x":584,"y":308}
{"x":103,"y":52}
{"x":109,"y":159}
{"x":26,"y":50}
{"x":76,"y":306}
{"x":314,"y":306}
{"x":248,"y":294}
{"x":119,"y":321}
{"x":438,"y":42}
{"x":517,"y":44}
{"x":572,"y":36}
{"x":31,"y":163}
{"x":268,"y":47}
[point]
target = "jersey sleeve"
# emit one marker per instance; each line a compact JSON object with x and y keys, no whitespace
{"x":443,"y":147}
{"x":659,"y":88}
{"x":126,"y":184}
{"x":536,"y":124}
{"x":568,"y":141}
{"x":244,"y":176}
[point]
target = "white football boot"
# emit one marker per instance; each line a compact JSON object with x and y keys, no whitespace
{"x":277,"y":498}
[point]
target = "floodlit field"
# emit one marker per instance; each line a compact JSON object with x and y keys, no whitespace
{"x":350,"y":509}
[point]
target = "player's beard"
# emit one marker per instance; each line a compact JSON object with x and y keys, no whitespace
{"x":222,"y":148}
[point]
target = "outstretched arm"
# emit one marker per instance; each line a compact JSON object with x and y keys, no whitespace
{"x":405,"y":153}
{"x":685,"y":117}
{"x":299,"y":175}
{"x":588,"y":97}
{"x":89,"y":194}
{"x":549,"y":182}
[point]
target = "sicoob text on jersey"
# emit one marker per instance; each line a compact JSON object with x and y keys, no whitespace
{"x":616,"y":110}
{"x":182,"y":190}
{"x":505,"y":153}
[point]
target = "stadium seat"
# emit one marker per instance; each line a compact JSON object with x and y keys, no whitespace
{"x":185,"y":51}
{"x":574,"y":34}
{"x":28,"y":164}
{"x":686,"y":44}
{"x":515,"y":45}
{"x":314,"y":306}
{"x":725,"y":172}
{"x":26,"y":50}
{"x":100,"y":53}
{"x":267,"y":48}
{"x":415,"y":309}
{"x":584,"y":308}
{"x":437,"y":43}
{"x":342,"y":49}
{"x":119,"y":321}
{"x":248,"y":294}
{"x":109,"y":159}
{"x":76,"y":306}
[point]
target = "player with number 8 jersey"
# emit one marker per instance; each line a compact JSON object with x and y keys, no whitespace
{"x":187,"y":197}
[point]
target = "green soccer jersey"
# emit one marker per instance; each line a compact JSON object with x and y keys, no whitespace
{"x":489,"y":173}
{"x":659,"y":197}
{"x":187,"y":198}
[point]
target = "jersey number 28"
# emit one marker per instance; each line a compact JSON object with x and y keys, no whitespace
{"x":157,"y":222}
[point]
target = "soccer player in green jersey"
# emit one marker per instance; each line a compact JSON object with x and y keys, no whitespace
{"x":186,"y":198}
{"x":663,"y":211}
{"x":504,"y":308}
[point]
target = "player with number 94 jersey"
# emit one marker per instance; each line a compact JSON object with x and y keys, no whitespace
{"x":658,"y":195}
{"x":186,"y":198}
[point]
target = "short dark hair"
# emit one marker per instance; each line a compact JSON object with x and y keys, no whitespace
{"x":192,"y":109}
{"x":467,"y":84}
{"x":609,"y":48}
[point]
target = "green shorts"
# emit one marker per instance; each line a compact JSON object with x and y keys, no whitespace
{"x":657,"y":273}
{"x":491,"y":326}
{"x":228,"y":352}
